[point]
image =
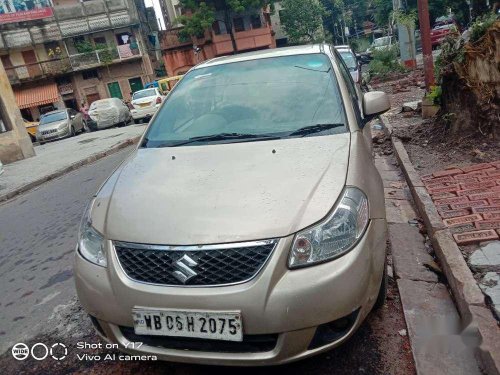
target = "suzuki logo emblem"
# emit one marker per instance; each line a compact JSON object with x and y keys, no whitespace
{"x":183,"y":271}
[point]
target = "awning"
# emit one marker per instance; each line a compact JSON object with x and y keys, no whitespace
{"x":35,"y":96}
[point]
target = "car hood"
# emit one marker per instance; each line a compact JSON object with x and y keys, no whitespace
{"x":52,"y":125}
{"x":221,"y":193}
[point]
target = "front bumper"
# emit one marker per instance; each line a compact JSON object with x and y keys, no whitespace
{"x":53,"y":136}
{"x":140,"y":113}
{"x":288,"y":303}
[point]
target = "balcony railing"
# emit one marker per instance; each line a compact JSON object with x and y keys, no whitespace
{"x":76,"y":62}
{"x":104,"y":56}
{"x":34,"y":71}
{"x":70,"y":20}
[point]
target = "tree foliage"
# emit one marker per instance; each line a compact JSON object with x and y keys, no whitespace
{"x":302,"y":20}
{"x":201,"y":14}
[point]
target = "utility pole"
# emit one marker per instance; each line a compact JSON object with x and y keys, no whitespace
{"x":425,"y":32}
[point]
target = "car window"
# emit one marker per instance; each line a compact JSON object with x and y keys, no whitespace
{"x":272,"y":96}
{"x":351,"y":87}
{"x":144,"y":94}
{"x":349,"y":59}
{"x":344,"y":70}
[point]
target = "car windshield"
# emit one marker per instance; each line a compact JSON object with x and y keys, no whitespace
{"x":349,"y":59}
{"x":382,"y":41}
{"x":144,"y":94}
{"x":251,"y":99}
{"x":53,"y":117}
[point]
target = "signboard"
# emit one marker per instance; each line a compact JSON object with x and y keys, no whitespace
{"x":24,"y":10}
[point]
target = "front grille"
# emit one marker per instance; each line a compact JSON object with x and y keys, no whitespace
{"x":50,"y":131}
{"x":194,"y":265}
{"x":250,"y":343}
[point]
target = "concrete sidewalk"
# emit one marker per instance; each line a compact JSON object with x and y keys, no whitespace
{"x":57,"y":158}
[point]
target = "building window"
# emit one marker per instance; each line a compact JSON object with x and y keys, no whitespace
{"x":239,"y":24}
{"x":89,"y":74}
{"x":256,"y":21}
{"x":219,"y":27}
{"x":100,"y":40}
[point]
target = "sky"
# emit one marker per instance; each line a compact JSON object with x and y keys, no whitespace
{"x":156,"y":5}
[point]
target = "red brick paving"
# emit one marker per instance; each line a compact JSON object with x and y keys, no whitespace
{"x":476,"y":236}
{"x":468,"y":200}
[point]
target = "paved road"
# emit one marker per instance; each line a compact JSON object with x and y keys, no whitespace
{"x":38,"y":238}
{"x":38,"y":304}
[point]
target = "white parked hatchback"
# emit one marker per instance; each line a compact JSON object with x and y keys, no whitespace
{"x":145,"y":103}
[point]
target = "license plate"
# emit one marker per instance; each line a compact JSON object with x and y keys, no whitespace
{"x":206,"y":325}
{"x":142,"y":105}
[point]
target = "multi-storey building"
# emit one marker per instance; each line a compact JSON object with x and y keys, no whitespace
{"x":72,"y":52}
{"x":252,"y":30}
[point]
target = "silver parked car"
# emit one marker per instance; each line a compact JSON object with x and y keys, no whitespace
{"x":248,"y":227}
{"x":59,"y":124}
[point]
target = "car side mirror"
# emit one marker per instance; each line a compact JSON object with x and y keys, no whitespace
{"x":375,"y":103}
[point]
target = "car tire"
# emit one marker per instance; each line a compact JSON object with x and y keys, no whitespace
{"x":72,"y":131}
{"x":382,"y":293}
{"x":137,"y":121}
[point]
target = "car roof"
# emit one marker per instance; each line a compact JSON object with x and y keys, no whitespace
{"x":264,"y":54}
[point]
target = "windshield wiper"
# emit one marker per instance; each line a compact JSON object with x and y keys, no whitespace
{"x":221,"y":137}
{"x":314,"y":129}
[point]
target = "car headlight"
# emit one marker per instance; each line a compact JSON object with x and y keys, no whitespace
{"x":335,"y":235}
{"x":90,"y":241}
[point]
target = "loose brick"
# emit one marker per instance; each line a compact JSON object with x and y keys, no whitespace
{"x":494,"y":201}
{"x":443,"y":195}
{"x":485,"y":209}
{"x":495,"y":188}
{"x":462,"y":220}
{"x":487,"y":178}
{"x":492,"y":215}
{"x":469,"y":227}
{"x":438,"y":185}
{"x":453,"y":213}
{"x":443,"y":179}
{"x":472,"y":204}
{"x":476,"y":167}
{"x":443,"y":207}
{"x":449,"y":172}
{"x":476,"y":236}
{"x":475,"y":197}
{"x":445,"y":189}
{"x":475,"y":174}
{"x":468,"y":180}
{"x":488,"y":224}
{"x":493,"y":172}
{"x":472,"y":191}
{"x":426,"y":177}
{"x":477,"y":185}
{"x":452,"y":200}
